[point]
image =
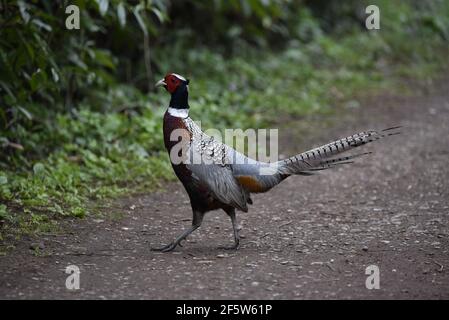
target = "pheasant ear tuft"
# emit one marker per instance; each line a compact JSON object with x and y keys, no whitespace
{"x":187,"y":81}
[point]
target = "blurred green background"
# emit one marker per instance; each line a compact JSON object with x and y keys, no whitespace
{"x":80,"y":120}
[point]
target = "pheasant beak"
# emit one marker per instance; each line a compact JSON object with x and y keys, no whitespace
{"x":161,"y":83}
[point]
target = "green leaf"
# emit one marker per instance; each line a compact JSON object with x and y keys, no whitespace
{"x":3,"y":180}
{"x":7,"y":89}
{"x":159,"y":14}
{"x":3,"y":212}
{"x":104,"y":58}
{"x":23,"y":11}
{"x":55,"y":75}
{"x":29,"y":49}
{"x":121,"y":14}
{"x":27,"y":114}
{"x":79,"y":212}
{"x":139,"y":19}
{"x":38,"y":79}
{"x":73,"y":57}
{"x":42,"y":25}
{"x":103,"y":5}
{"x":38,"y":168}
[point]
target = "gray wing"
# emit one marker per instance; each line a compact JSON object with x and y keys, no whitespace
{"x":221,"y":183}
{"x":209,"y":162}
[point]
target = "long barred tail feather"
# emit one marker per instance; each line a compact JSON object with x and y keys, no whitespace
{"x":331,"y":163}
{"x":322,"y":158}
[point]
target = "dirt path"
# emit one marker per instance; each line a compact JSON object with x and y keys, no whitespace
{"x":311,"y":237}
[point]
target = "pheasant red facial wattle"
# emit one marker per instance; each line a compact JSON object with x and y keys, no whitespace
{"x":172,"y":81}
{"x":228,"y":178}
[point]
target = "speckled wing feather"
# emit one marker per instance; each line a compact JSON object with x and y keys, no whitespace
{"x":210,"y":164}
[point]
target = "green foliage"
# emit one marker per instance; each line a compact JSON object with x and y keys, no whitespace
{"x":79,"y":121}
{"x":3,"y":212}
{"x":94,"y":162}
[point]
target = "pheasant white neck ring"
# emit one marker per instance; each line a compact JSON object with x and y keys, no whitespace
{"x":179,"y":113}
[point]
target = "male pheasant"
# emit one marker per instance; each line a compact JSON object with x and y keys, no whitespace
{"x":225,"y":178}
